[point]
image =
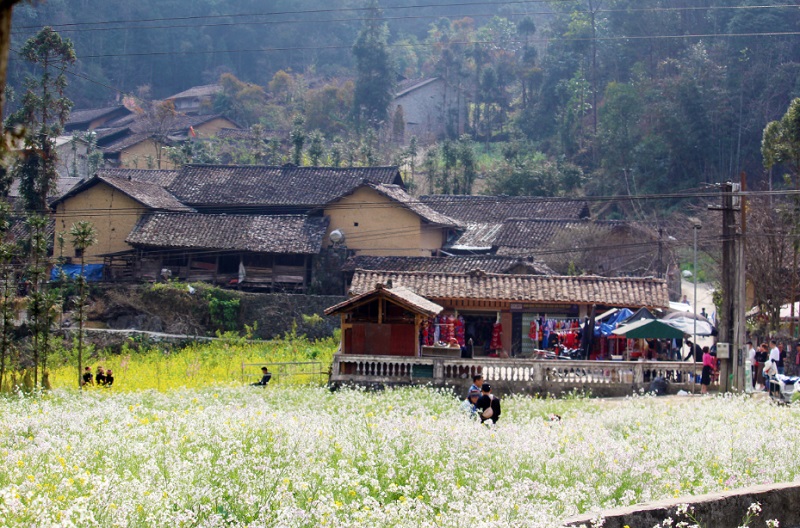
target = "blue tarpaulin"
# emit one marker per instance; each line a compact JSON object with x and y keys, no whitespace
{"x":609,"y":325}
{"x":92,"y":272}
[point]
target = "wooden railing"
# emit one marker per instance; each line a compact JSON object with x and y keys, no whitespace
{"x":518,"y":375}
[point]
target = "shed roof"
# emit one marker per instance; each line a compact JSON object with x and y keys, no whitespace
{"x":277,"y":186}
{"x":288,"y":234}
{"x":617,"y":291}
{"x":399,"y":295}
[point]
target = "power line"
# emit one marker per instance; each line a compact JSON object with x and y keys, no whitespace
{"x":452,"y":42}
{"x":249,"y":21}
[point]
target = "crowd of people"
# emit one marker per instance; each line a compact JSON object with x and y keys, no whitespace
{"x":768,"y":361}
{"x":103,"y":378}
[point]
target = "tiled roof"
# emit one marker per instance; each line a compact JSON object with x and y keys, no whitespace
{"x":628,"y":292}
{"x":77,"y":117}
{"x":294,"y":234}
{"x":140,"y":129}
{"x":487,"y":263}
{"x":539,"y":233}
{"x":496,"y":209}
{"x":402,"y":296}
{"x":161,"y":177}
{"x":235,"y":133}
{"x":148,"y":194}
{"x":236,"y":185}
{"x":397,"y":194}
{"x":205,"y":90}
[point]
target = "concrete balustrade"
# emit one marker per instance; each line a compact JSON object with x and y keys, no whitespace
{"x":531,"y":376}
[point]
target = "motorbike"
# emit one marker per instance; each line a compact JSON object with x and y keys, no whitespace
{"x":782,"y":387}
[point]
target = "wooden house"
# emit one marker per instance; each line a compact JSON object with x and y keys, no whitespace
{"x":250,"y":251}
{"x":383,"y":321}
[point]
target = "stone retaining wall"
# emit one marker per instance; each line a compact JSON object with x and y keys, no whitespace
{"x":715,"y":510}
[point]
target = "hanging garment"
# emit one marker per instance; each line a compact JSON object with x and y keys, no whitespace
{"x":497,"y":337}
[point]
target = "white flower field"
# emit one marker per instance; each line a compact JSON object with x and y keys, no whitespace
{"x":240,"y":456}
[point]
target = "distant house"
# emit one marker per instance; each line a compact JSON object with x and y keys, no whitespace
{"x":134,"y":142}
{"x":430,"y":109}
{"x":85,"y":120}
{"x":196,"y":100}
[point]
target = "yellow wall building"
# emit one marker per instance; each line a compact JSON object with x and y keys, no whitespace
{"x":383,"y":220}
{"x":113,"y":206}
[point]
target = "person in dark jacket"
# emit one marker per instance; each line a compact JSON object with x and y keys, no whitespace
{"x":698,"y":352}
{"x":265,"y":377}
{"x":87,"y":376}
{"x":109,"y":378}
{"x":488,"y":405}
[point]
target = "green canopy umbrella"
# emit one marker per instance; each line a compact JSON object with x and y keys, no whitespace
{"x":649,"y":329}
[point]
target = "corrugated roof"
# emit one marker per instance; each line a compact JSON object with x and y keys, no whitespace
{"x":236,"y":185}
{"x":288,"y":234}
{"x":487,"y":263}
{"x":475,"y":237}
{"x":496,"y":209}
{"x":400,"y":295}
{"x":617,"y":291}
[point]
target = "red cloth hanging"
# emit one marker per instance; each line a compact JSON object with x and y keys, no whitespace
{"x":497,"y":337}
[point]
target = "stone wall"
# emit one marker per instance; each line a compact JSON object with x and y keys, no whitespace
{"x":715,"y":510}
{"x":276,"y":313}
{"x":179,"y":311}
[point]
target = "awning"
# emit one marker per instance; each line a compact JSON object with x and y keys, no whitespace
{"x":687,"y":326}
{"x":649,"y":329}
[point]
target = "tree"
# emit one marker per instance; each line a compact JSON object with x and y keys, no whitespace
{"x":781,"y":144}
{"x":40,"y":301}
{"x":298,"y":138}
{"x":84,"y":236}
{"x":8,"y":294}
{"x":44,"y":111}
{"x":316,"y":149}
{"x":6,"y":14}
{"x":374,"y":71}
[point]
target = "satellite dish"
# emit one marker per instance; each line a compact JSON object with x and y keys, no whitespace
{"x":336,"y":236}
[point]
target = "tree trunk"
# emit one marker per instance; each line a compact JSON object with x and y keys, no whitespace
{"x":6,"y":9}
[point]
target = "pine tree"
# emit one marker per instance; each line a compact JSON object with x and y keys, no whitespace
{"x":83,"y":235}
{"x":44,"y":111}
{"x":374,"y":71}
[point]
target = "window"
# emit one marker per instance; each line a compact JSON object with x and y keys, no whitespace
{"x":78,"y":252}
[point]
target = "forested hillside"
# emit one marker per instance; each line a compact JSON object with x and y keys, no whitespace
{"x":591,"y":96}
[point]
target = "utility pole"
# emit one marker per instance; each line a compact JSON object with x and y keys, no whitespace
{"x":730,"y":331}
{"x":740,"y":296}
